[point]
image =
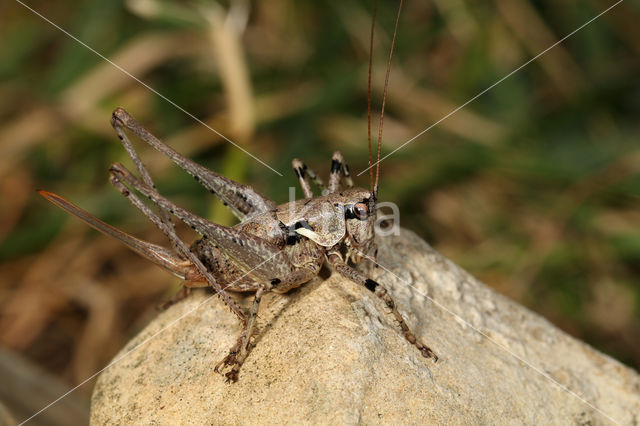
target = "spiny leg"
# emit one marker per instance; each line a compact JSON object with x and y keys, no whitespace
{"x":335,"y":259}
{"x":302,"y":171}
{"x":242,"y":199}
{"x":246,"y":251}
{"x":243,"y":250}
{"x":157,"y":254}
{"x":238,"y":353}
{"x":339,"y":171}
{"x":142,"y":170}
{"x":240,"y":350}
{"x":181,"y":246}
{"x":250,"y":253}
{"x":316,"y":179}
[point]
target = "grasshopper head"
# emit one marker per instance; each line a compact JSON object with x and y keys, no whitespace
{"x":360,"y":219}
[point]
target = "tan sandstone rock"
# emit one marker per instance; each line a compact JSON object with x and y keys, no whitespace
{"x":330,"y":352}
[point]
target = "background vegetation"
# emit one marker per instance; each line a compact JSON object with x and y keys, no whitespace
{"x":533,"y":187}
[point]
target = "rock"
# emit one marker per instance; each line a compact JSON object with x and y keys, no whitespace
{"x":329,"y":352}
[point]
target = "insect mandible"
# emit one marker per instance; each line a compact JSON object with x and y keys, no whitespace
{"x":274,"y":248}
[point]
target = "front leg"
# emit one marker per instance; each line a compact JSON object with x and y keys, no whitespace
{"x":339,"y":172}
{"x":302,"y":171}
{"x":335,"y":259}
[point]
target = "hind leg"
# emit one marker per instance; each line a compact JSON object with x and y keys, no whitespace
{"x":181,"y":247}
{"x":242,"y":199}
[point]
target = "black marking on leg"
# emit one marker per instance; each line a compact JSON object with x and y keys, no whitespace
{"x":346,"y":170}
{"x":293,"y":239}
{"x":371,"y":285}
{"x":335,"y":165}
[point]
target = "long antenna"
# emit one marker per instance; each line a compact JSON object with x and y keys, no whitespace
{"x":384,"y":99}
{"x":373,"y":26}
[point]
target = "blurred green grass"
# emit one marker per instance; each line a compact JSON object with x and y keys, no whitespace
{"x":534,"y":187}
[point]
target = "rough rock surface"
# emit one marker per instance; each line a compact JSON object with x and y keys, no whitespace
{"x":329,"y":352}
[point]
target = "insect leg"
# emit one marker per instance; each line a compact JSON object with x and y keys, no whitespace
{"x":142,"y":170}
{"x":316,"y":179}
{"x":240,"y":350}
{"x":181,"y":246}
{"x":242,"y":199}
{"x":238,"y":353}
{"x":157,"y":254}
{"x":335,"y":259}
{"x":339,"y":171}
{"x":250,"y":253}
{"x":302,"y":171}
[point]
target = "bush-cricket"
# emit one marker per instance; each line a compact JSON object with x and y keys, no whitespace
{"x":273,"y":247}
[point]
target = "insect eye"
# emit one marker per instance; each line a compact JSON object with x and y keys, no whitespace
{"x":361,"y":211}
